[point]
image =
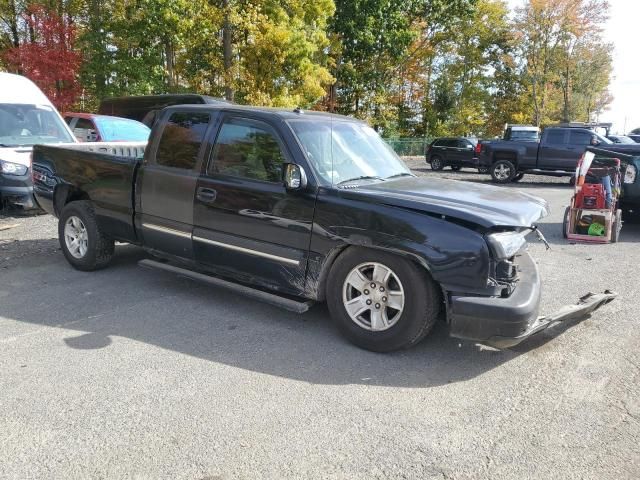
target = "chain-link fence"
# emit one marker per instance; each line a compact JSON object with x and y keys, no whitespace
{"x":408,"y":147}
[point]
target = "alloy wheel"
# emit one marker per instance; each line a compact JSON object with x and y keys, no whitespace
{"x":75,"y":237}
{"x":373,"y":296}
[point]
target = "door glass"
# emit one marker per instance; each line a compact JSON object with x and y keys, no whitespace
{"x":579,"y":138}
{"x":249,"y":149}
{"x":555,"y":137}
{"x":181,"y":140}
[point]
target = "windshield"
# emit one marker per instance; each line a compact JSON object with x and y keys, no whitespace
{"x":121,"y":130}
{"x":341,"y":151}
{"x":27,"y":125}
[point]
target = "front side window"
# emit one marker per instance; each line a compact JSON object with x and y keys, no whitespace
{"x":27,"y":125}
{"x":249,"y":149}
{"x":181,"y":140}
{"x":577,"y":137}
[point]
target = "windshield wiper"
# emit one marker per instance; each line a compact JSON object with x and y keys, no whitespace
{"x":363,"y":177}
{"x":403,"y":174}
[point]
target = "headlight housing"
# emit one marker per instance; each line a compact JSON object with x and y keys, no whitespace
{"x":630,"y":174}
{"x":9,"y":168}
{"x":506,"y":244}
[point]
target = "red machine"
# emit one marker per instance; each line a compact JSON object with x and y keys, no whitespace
{"x":593,"y":215}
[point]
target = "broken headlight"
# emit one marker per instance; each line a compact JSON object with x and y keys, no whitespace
{"x":506,"y":244}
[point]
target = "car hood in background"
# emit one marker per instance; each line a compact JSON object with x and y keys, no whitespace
{"x":19,"y":155}
{"x":484,"y":205}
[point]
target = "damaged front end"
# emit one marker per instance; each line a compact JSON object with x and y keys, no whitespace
{"x":506,"y":320}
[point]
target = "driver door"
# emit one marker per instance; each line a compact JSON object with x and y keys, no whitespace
{"x":246,"y":224}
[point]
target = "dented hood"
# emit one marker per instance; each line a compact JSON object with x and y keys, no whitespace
{"x":485,"y":205}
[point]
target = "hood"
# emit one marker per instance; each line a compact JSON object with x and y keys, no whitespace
{"x":19,"y":155}
{"x":485,"y":205}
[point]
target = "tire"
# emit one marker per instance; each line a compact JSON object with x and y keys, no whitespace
{"x":503,"y":171}
{"x":420,"y":308}
{"x":436,"y":163}
{"x":483,"y":170}
{"x":456,"y":168}
{"x":565,"y":223}
{"x":616,"y":227}
{"x":98,"y":247}
{"x":518,"y":177}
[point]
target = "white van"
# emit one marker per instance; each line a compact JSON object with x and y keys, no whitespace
{"x":27,"y":117}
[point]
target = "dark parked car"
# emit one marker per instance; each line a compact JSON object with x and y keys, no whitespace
{"x":634,"y":136}
{"x":295,"y":207}
{"x":621,"y":139}
{"x":454,"y":152}
{"x":88,"y":127}
{"x":144,"y":108}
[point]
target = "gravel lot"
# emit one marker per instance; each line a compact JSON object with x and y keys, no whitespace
{"x":131,"y":373}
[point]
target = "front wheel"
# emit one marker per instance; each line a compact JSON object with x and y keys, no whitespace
{"x":616,"y":227}
{"x":84,"y":244}
{"x":518,"y":177}
{"x":381,"y":302}
{"x":503,"y":171}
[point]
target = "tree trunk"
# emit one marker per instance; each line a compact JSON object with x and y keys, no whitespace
{"x":227,"y":53}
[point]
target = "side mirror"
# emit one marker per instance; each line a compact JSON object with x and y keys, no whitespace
{"x":295,"y":177}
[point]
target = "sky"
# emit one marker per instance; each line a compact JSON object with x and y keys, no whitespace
{"x":621,"y":30}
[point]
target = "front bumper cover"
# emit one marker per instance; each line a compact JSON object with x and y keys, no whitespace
{"x":504,"y":322}
{"x":17,"y":190}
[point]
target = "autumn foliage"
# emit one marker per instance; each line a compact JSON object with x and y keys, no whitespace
{"x":49,"y":59}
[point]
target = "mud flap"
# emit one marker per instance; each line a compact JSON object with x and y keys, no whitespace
{"x":585,"y":306}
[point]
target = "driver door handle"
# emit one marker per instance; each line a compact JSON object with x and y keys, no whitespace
{"x":206,"y":195}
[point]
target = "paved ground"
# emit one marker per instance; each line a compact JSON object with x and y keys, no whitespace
{"x":130,"y":373}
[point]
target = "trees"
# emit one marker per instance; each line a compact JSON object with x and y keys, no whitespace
{"x":557,"y":39}
{"x":409,"y":67}
{"x":48,"y":58}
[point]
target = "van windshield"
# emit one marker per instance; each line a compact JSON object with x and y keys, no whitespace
{"x":27,"y":125}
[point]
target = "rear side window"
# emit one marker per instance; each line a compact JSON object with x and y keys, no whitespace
{"x":181,"y":140}
{"x":555,"y":137}
{"x":249,"y":149}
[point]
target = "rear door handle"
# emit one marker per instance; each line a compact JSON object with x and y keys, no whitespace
{"x":206,"y":195}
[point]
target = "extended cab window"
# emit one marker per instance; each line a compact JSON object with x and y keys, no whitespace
{"x":181,"y":140}
{"x":249,"y":149}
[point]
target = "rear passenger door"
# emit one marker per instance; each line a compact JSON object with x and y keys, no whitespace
{"x":168,"y":180}
{"x":247,"y":225}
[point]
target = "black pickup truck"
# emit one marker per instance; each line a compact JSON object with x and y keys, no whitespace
{"x":556,"y":154}
{"x":294,"y":207}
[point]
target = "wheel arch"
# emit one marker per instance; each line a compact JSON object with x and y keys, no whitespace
{"x":337,"y":252}
{"x":64,"y":194}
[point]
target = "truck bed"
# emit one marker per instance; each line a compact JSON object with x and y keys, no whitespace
{"x":103,"y":172}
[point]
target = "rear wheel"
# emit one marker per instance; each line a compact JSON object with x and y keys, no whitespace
{"x":84,"y":244}
{"x":381,"y":302}
{"x":436,"y":163}
{"x":503,"y":171}
{"x":616,"y":227}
